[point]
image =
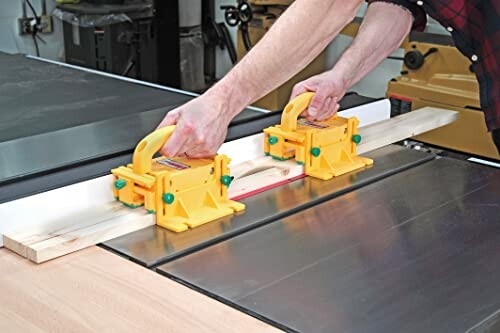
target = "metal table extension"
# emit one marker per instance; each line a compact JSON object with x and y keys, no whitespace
{"x":415,"y":252}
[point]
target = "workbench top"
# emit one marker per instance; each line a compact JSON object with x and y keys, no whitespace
{"x":95,"y":290}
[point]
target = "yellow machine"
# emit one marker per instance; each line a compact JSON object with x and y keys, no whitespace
{"x":327,"y":148}
{"x":440,"y":76}
{"x":182,"y":192}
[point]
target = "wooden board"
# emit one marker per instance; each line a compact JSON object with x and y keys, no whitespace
{"x":402,"y":127}
{"x":83,"y":229}
{"x":76,"y":231}
{"x":97,"y":291}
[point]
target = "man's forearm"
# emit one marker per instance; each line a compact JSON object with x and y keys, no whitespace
{"x":383,"y":29}
{"x":298,"y":36}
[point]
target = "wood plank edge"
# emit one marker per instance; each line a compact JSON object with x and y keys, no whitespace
{"x":41,"y":252}
{"x":14,"y":246}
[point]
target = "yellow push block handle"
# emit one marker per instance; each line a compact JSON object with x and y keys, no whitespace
{"x":148,"y":146}
{"x":293,"y":109}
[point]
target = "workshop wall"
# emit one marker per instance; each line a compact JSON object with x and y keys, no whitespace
{"x":12,"y":42}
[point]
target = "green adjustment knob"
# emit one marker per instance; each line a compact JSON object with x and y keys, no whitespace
{"x":315,"y":151}
{"x":226,"y":180}
{"x":120,"y":183}
{"x":272,"y":140}
{"x":356,"y":138}
{"x":168,"y":198}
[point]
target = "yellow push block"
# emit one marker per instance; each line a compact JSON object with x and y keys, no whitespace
{"x":326,"y":148}
{"x":184,"y":193}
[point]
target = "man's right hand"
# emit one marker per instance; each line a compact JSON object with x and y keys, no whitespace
{"x":329,"y":90}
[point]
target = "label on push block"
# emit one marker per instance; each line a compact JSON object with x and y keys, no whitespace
{"x":311,"y":124}
{"x":173,"y":164}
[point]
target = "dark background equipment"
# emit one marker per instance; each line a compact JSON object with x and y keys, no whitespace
{"x":167,"y":42}
{"x":137,"y":39}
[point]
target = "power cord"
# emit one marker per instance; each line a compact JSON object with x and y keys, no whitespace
{"x":34,"y":27}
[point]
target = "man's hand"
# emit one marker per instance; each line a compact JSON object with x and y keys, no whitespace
{"x":200,"y":130}
{"x":329,"y":90}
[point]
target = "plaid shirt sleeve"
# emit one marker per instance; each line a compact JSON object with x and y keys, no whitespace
{"x":475,"y":28}
{"x":419,"y":15}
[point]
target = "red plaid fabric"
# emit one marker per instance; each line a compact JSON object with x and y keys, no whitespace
{"x":475,"y":28}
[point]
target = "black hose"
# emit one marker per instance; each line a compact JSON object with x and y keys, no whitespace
{"x":246,"y":37}
{"x":229,"y":43}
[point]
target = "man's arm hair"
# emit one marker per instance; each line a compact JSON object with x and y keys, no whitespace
{"x":383,"y":29}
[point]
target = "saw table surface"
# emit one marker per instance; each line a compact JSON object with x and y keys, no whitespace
{"x":415,"y":252}
{"x":94,"y":290}
{"x":39,"y":97}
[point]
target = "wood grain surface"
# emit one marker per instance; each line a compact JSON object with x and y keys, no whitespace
{"x":402,"y":127}
{"x":96,"y":291}
{"x":74,"y":232}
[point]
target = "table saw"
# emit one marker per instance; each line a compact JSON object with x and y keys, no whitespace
{"x":409,"y":244}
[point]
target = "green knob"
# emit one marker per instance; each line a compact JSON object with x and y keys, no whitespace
{"x":272,"y":140}
{"x":226,"y":180}
{"x":315,"y":151}
{"x":356,"y":138}
{"x":120,"y":183}
{"x":168,"y":198}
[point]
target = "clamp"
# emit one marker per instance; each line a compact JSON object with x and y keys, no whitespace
{"x":184,"y":193}
{"x":326,"y":148}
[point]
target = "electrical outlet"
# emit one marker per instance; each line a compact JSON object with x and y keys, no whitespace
{"x":46,"y":23}
{"x":27,"y":25}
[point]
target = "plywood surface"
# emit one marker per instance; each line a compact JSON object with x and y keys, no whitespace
{"x":95,"y":290}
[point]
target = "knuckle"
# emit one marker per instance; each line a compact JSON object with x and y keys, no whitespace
{"x":172,"y":114}
{"x":311,"y":86}
{"x":199,"y":139}
{"x":188,"y":128}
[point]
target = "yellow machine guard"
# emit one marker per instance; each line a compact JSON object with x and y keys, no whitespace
{"x":326,"y":148}
{"x":184,"y":193}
